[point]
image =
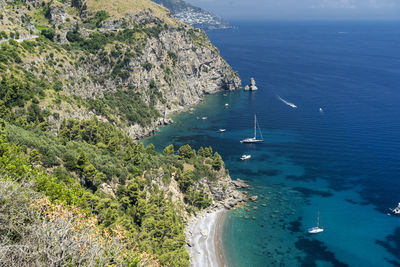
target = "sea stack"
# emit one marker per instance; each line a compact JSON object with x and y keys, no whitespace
{"x":252,"y":86}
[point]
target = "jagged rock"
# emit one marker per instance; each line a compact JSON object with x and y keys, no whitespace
{"x":239,"y":183}
{"x":252,"y":86}
{"x":2,"y":4}
{"x":106,"y":188}
{"x":112,"y":25}
{"x":58,"y":14}
{"x":31,"y":27}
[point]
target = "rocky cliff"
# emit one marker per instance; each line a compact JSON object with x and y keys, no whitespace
{"x":222,"y":191}
{"x":94,"y":55}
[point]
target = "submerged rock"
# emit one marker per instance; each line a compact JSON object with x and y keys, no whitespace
{"x":253,"y":198}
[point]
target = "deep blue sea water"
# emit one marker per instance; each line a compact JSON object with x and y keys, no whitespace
{"x":344,"y":162}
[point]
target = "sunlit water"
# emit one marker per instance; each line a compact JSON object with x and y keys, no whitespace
{"x":343,"y":161}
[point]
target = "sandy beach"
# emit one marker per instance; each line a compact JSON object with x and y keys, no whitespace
{"x":204,"y":239}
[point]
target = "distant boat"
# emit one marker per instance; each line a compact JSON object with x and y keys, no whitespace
{"x":254,"y":139}
{"x":221,"y":130}
{"x":396,"y":211}
{"x":244,"y":157}
{"x":225,"y":94}
{"x":226,"y":105}
{"x":321,"y":110}
{"x":203,"y":118}
{"x":317,"y":229}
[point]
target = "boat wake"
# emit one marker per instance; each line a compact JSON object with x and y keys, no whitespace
{"x":286,"y":102}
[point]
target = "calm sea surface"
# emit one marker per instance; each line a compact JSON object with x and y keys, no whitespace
{"x":343,"y":161}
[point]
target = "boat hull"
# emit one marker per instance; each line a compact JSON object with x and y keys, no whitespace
{"x":315,"y":230}
{"x":252,"y":141}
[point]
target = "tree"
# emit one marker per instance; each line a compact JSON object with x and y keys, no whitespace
{"x":34,"y":157}
{"x":217,"y":162}
{"x":150,"y":149}
{"x":169,"y":150}
{"x":186,"y":152}
{"x":49,"y":33}
{"x":205,"y":152}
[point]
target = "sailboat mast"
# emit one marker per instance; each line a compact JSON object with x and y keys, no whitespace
{"x":255,"y":127}
{"x":318,"y":220}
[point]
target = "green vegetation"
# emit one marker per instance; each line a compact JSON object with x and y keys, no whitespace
{"x":88,"y":178}
{"x":49,"y":33}
{"x":97,"y":41}
{"x":87,"y":154}
{"x":127,"y":104}
{"x":173,"y":57}
{"x":98,"y":18}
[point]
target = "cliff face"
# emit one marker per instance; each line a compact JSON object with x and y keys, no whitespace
{"x":93,"y":53}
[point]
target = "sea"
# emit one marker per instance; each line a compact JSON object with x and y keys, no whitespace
{"x":328,"y":107}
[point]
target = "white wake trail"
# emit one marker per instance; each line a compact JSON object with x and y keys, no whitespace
{"x":286,"y":102}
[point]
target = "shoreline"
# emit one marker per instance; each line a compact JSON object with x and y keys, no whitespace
{"x":139,"y":133}
{"x":204,"y":230}
{"x":204,"y":238}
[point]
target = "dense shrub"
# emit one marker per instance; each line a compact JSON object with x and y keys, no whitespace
{"x":49,"y":33}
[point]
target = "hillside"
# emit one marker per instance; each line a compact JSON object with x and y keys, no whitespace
{"x":88,"y":61}
{"x":79,"y":81}
{"x":195,"y":16}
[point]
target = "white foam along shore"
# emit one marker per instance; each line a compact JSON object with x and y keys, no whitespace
{"x":204,"y":239}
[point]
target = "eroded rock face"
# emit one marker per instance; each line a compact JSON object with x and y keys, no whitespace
{"x":58,"y":15}
{"x":197,"y":70}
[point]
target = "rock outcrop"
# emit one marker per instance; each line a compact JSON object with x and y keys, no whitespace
{"x":252,"y":86}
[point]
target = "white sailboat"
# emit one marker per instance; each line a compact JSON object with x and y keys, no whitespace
{"x":254,"y":139}
{"x":317,"y":229}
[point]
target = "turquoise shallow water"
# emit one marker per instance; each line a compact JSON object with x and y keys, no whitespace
{"x":343,"y":162}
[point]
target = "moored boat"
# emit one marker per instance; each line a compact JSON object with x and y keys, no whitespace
{"x":316,"y":229}
{"x":244,"y":157}
{"x":396,"y":211}
{"x":254,"y":139}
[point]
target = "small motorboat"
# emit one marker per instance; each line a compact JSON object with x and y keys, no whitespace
{"x":321,"y":110}
{"x":225,"y":94}
{"x":244,"y":157}
{"x":396,"y":211}
{"x":221,"y":130}
{"x":226,"y":105}
{"x":203,"y":118}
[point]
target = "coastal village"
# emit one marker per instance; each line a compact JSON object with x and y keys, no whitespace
{"x":202,"y":19}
